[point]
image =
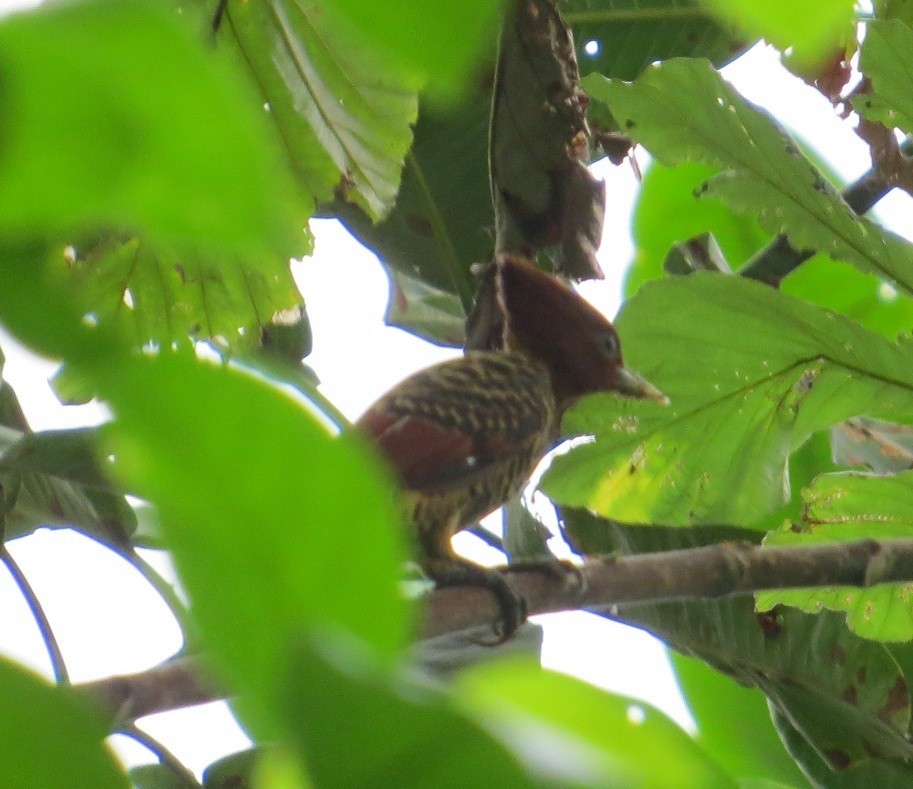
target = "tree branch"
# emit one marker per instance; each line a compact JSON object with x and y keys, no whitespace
{"x":779,"y":258}
{"x":181,"y":682}
{"x":709,"y":572}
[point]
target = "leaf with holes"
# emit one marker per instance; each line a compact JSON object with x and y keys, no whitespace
{"x":885,"y":59}
{"x":847,"y":697}
{"x":160,"y":296}
{"x":852,"y":506}
{"x":683,"y":110}
{"x":751,"y":374}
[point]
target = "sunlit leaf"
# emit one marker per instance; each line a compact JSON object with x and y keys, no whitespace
{"x":102,"y":124}
{"x":751,"y":374}
{"x":885,"y":59}
{"x":592,"y":736}
{"x":853,"y":506}
{"x":683,"y":110}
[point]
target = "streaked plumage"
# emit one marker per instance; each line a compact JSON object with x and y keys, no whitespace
{"x":465,"y":435}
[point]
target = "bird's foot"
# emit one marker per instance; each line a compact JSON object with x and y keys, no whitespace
{"x":560,"y":569}
{"x":512,"y":605}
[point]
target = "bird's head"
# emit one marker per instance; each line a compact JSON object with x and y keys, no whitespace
{"x":521,"y":308}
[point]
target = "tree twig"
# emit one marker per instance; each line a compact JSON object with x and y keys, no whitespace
{"x":58,"y":665}
{"x":165,"y":757}
{"x":181,"y":682}
{"x":709,"y":572}
{"x":779,"y":258}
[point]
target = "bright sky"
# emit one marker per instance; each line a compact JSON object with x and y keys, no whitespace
{"x":109,"y":622}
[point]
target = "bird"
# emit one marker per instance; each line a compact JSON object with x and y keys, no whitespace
{"x":463,"y":437}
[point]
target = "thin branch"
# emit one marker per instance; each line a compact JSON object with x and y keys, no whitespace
{"x":165,"y":757}
{"x":181,"y":682}
{"x":779,"y":258}
{"x":58,"y":666}
{"x":710,"y":572}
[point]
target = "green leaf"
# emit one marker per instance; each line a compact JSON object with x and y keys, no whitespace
{"x":846,"y":695}
{"x":838,"y":689}
{"x":682,"y":109}
{"x":668,"y":212}
{"x":852,"y":506}
{"x":409,"y":734}
{"x":895,"y":9}
{"x":274,"y":522}
{"x":159,"y":776}
{"x":632,"y":34}
{"x":235,"y":771}
{"x":884,"y":58}
{"x":101,"y":124}
{"x":734,"y":725}
{"x":343,"y":118}
{"x":54,"y":479}
{"x":813,"y":28}
{"x":437,"y":229}
{"x":157,"y":295}
{"x":751,"y":374}
{"x":432,"y":314}
{"x":51,"y":739}
{"x":598,"y":738}
{"x":440,"y":42}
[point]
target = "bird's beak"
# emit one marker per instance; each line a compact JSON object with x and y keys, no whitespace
{"x":631,"y":384}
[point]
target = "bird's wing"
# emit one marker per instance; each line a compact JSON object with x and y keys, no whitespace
{"x":437,"y":435}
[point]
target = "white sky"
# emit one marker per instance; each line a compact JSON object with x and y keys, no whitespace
{"x":109,"y":622}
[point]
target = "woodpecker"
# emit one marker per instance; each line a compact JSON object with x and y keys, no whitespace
{"x":464,"y":436}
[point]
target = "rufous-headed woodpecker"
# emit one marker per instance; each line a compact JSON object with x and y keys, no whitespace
{"x":465,"y":435}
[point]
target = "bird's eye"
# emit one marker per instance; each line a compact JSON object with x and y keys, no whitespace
{"x":609,"y":344}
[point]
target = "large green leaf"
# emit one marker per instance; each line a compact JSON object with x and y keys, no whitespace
{"x":274,"y":522}
{"x":407,"y":734}
{"x":161,"y":296}
{"x":852,"y":506}
{"x":814,"y":29}
{"x":440,"y":42}
{"x":50,"y":738}
{"x":112,"y":113}
{"x":668,"y":212}
{"x":683,"y":109}
{"x":751,"y":374}
{"x":733,"y":723}
{"x":885,"y":59}
{"x":612,"y":740}
{"x":343,"y":118}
